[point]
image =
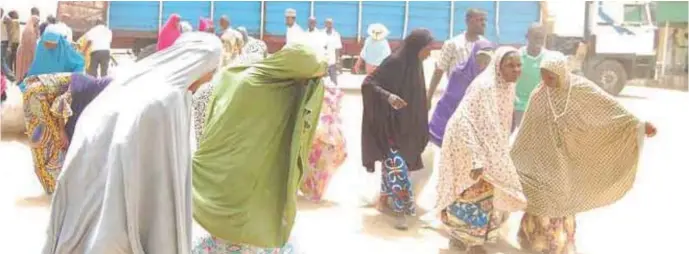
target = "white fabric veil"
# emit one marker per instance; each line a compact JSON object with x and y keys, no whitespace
{"x":126,"y":181}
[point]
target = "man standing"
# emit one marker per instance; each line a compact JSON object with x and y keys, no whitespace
{"x":456,"y":50}
{"x":13,"y":31}
{"x":35,"y":12}
{"x":4,"y":45}
{"x":98,"y":39}
{"x":225,"y":24}
{"x":294,"y":31}
{"x":333,"y":47}
{"x":50,"y":20}
{"x":531,"y":54}
{"x":63,"y":28}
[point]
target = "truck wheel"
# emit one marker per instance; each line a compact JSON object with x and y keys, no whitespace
{"x":610,"y":75}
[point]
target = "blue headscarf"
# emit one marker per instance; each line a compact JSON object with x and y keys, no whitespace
{"x":63,"y":58}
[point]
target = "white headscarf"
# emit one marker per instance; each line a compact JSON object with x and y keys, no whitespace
{"x":184,"y":26}
{"x":125,"y":185}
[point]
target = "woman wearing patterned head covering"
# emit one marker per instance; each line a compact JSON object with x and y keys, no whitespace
{"x":50,"y":114}
{"x":125,"y":184}
{"x":577,"y":149}
{"x":170,"y":32}
{"x":232,"y":56}
{"x":478,"y":183}
{"x":394,"y":129}
{"x":254,"y":49}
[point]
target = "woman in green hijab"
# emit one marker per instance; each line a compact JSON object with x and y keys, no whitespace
{"x":254,"y":149}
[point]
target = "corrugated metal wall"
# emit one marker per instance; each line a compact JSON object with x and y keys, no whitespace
{"x":344,"y":14}
{"x":275,"y":15}
{"x":433,"y":15}
{"x":514,"y":17}
{"x":246,"y":14}
{"x":134,"y":16}
{"x":191,"y":11}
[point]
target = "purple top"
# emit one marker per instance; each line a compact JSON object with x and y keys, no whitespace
{"x":84,"y":89}
{"x":461,"y":78}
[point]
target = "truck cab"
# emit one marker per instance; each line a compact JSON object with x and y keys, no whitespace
{"x":612,"y":43}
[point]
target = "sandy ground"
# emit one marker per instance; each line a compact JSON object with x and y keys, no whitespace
{"x":642,"y":222}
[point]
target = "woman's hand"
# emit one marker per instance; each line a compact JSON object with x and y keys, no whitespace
{"x":651,"y":130}
{"x":65,"y":140}
{"x":476,"y":173}
{"x":396,"y":102}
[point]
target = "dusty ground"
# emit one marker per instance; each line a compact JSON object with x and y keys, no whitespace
{"x":647,"y":220}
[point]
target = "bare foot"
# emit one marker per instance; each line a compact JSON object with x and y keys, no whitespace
{"x":457,"y":244}
{"x":476,"y":250}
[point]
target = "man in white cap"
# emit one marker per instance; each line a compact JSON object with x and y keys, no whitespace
{"x":294,"y":31}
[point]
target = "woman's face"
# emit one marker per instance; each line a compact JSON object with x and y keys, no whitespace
{"x":511,"y":67}
{"x":50,"y":44}
{"x":482,"y":60}
{"x":425,"y":52}
{"x":549,"y":78}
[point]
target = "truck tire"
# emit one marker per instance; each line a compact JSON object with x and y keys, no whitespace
{"x":610,"y":75}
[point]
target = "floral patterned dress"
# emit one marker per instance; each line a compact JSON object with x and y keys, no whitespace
{"x":329,"y":147}
{"x":477,"y":137}
{"x":47,"y":102}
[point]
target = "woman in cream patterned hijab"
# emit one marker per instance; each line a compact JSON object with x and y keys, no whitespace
{"x":577,"y":149}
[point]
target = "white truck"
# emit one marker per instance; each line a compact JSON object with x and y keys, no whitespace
{"x":610,"y":42}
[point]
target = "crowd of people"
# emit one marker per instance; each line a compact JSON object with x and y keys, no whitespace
{"x":218,"y":134}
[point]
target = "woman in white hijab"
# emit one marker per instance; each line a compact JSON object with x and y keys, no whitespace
{"x":126,"y":182}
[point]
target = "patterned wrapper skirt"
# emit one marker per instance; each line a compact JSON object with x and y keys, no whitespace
{"x":396,"y":190}
{"x":204,"y":243}
{"x":472,"y":218}
{"x":329,"y":149}
{"x":547,"y":235}
{"x":46,"y":107}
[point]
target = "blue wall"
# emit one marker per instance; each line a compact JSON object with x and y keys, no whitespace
{"x":345,"y":15}
{"x":134,"y":16}
{"x":246,"y":14}
{"x":515,"y":20}
{"x":191,"y":11}
{"x":275,"y":15}
{"x":434,"y":16}
{"x":391,"y":14}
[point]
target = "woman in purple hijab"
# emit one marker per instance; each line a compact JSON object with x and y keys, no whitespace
{"x":461,"y":78}
{"x":84,"y":89}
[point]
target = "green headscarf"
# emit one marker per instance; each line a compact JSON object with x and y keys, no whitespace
{"x":254,"y":149}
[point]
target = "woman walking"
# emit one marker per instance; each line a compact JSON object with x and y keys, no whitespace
{"x":573,"y":134}
{"x":125,"y":185}
{"x":395,"y":122}
{"x":478,"y":183}
{"x":49,"y":115}
{"x":329,"y":149}
{"x":376,"y":48}
{"x":27,"y":47}
{"x":461,"y":78}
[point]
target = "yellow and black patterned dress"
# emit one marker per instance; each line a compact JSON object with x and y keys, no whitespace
{"x":47,"y":102}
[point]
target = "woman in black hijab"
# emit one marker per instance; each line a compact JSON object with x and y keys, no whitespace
{"x":395,"y":122}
